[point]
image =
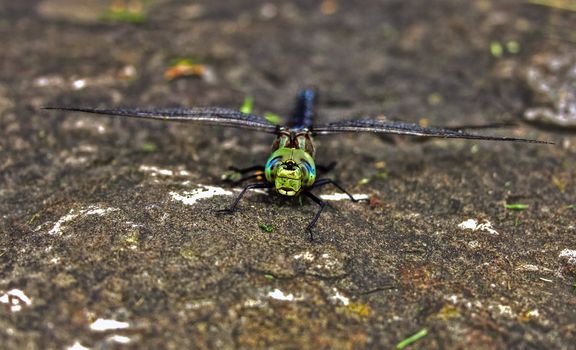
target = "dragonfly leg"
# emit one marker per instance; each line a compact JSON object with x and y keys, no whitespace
{"x":235,"y":175}
{"x":322,"y":205}
{"x":326,"y":168}
{"x":257,"y":176}
{"x":246,"y":170}
{"x":231,"y":209}
{"x":322,"y":182}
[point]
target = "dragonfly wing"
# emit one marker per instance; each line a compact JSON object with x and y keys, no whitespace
{"x":401,"y":128}
{"x":206,"y":116}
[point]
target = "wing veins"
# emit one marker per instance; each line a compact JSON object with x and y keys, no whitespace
{"x":207,"y":116}
{"x":402,"y":128}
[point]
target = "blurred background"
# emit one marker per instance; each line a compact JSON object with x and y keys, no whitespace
{"x":89,"y":230}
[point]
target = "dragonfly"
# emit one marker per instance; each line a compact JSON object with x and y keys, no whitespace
{"x":290,"y":169}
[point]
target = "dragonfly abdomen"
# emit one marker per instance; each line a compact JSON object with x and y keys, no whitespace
{"x":305,"y":111}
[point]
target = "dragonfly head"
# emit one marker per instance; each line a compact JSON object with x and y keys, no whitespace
{"x":290,"y":170}
{"x":288,"y":180}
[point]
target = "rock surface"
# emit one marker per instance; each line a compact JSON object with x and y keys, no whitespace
{"x":108,"y":231}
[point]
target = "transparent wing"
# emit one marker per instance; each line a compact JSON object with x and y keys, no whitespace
{"x":206,"y":116}
{"x":401,"y":128}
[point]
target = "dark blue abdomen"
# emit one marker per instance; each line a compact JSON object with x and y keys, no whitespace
{"x":304,"y":113}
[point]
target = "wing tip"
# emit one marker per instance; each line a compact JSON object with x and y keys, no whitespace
{"x":515,"y":139}
{"x":543,"y":142}
{"x":64,"y":108}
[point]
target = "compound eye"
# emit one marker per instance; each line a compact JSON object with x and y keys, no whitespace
{"x":308,"y":173}
{"x":307,"y":167}
{"x":274,"y":162}
{"x":271,"y":168}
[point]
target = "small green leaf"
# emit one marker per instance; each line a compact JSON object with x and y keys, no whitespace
{"x":363,"y":181}
{"x":181,"y":61}
{"x":513,"y":47}
{"x":269,"y":276}
{"x":382,"y":175}
{"x":33,"y":218}
{"x":516,"y":206}
{"x":266,"y":228}
{"x":124,"y":15}
{"x":561,"y":5}
{"x":496,"y":49}
{"x":149,"y":147}
{"x":404,"y":343}
{"x":272,"y":118}
{"x":247,"y":105}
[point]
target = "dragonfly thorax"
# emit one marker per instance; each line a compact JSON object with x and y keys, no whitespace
{"x":291,"y":170}
{"x":294,"y":138}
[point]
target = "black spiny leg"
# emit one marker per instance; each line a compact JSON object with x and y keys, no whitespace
{"x":247,"y":187}
{"x":322,"y":205}
{"x":247,"y":170}
{"x":323,"y":182}
{"x":257,"y":176}
{"x":326,"y":168}
{"x":236,"y":176}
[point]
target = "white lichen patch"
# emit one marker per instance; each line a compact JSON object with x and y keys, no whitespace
{"x":103,"y":325}
{"x":338,"y":297}
{"x":254,"y":303}
{"x":120,"y":339}
{"x":77,"y":346}
{"x":156,"y":171}
{"x":49,"y":81}
{"x":15,"y":299}
{"x":474,"y":244}
{"x":343,"y":196}
{"x":472,"y":224}
{"x":527,"y":267}
{"x":199,"y":304}
{"x":500,"y":310}
{"x":532,"y":314}
{"x":87,"y":124}
{"x":328,"y":262}
{"x":307,"y":256}
{"x":533,"y":268}
{"x":79,"y":84}
{"x":453,"y":299}
{"x":280,"y":295}
{"x":325,"y":264}
{"x":203,"y":192}
{"x":75,"y":213}
{"x":569,"y":255}
{"x":133,"y":225}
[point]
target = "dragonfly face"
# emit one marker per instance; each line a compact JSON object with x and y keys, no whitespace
{"x":288,"y":180}
{"x":291,"y":170}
